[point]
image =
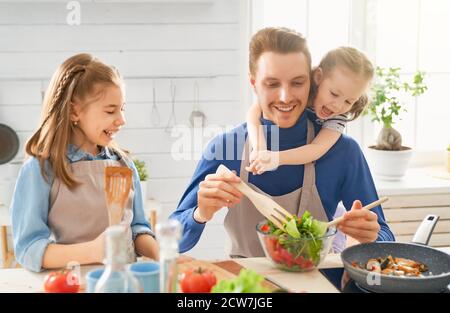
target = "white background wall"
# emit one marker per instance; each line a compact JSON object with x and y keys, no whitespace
{"x":143,"y":39}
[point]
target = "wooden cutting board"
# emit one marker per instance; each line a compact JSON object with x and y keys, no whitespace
{"x":223,"y":270}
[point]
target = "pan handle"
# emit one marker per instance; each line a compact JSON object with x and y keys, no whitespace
{"x":423,"y":233}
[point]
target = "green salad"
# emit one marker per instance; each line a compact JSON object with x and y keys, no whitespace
{"x":303,"y":227}
{"x":298,"y":245}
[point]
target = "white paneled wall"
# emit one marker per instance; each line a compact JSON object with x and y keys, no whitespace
{"x":179,"y":39}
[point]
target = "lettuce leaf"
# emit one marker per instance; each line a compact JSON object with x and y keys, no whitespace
{"x":291,"y":228}
{"x":248,"y":281}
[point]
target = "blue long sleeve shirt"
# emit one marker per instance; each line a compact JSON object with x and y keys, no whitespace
{"x":31,"y":203}
{"x":342,"y":174}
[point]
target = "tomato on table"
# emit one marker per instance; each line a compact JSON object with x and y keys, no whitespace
{"x":64,"y":281}
{"x":197,"y":280}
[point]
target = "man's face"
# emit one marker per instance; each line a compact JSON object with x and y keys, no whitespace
{"x":282,"y":83}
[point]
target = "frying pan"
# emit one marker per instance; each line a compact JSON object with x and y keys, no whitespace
{"x":435,"y":280}
{"x":9,"y":144}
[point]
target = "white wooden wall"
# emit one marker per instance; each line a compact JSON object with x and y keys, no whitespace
{"x":181,"y":39}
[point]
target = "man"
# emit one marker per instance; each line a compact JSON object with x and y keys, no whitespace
{"x":280,"y":66}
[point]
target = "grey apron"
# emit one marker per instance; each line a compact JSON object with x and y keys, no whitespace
{"x":80,"y":214}
{"x":240,"y":221}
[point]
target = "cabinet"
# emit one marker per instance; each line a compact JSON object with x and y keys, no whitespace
{"x":422,"y":192}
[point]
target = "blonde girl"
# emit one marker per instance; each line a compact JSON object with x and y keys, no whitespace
{"x":59,"y":211}
{"x":337,"y":96}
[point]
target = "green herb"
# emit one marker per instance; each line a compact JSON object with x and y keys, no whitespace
{"x":142,"y":170}
{"x":247,"y":281}
{"x":385,"y":104}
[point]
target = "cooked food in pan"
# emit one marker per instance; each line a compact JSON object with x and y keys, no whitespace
{"x":394,"y":266}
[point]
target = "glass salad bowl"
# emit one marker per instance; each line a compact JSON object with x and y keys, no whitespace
{"x":299,"y":253}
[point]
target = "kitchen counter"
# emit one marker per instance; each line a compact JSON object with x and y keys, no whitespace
{"x":417,"y":181}
{"x":21,"y":280}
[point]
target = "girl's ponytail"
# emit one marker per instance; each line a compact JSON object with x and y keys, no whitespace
{"x":358,"y":107}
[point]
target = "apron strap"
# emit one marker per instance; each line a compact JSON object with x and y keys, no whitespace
{"x":309,"y":175}
{"x":245,"y":156}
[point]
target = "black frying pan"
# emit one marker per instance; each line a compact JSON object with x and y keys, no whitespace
{"x":9,"y":144}
{"x":435,"y":280}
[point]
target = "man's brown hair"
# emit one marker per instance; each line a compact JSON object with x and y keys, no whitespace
{"x":276,"y":39}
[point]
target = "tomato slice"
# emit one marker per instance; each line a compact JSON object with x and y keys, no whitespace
{"x":265,"y":228}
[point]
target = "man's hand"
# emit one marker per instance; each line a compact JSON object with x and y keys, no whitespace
{"x":360,"y":224}
{"x":214,"y":193}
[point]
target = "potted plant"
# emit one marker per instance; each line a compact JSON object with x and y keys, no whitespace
{"x":389,"y":158}
{"x":143,"y":176}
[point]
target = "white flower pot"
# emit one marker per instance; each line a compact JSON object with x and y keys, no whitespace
{"x":144,"y":191}
{"x":388,"y":165}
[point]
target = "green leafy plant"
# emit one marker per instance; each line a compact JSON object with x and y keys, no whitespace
{"x":248,"y":281}
{"x":385,"y":103}
{"x":142,"y":170}
{"x":448,"y":148}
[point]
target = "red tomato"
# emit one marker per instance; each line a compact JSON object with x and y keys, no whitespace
{"x":285,"y":255}
{"x":265,"y":228}
{"x":64,"y":281}
{"x":300,"y":261}
{"x":197,"y":280}
{"x":276,"y":256}
{"x":308,"y":264}
{"x":270,"y":243}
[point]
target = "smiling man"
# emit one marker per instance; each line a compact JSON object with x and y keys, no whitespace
{"x":280,"y":66}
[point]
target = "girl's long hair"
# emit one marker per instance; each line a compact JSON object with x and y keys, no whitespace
{"x":79,"y":77}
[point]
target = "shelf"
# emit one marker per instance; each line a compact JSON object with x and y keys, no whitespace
{"x":417,"y":181}
{"x":174,"y":77}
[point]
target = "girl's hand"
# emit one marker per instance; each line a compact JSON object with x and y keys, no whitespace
{"x":253,"y":155}
{"x":184,"y":259}
{"x":264,"y":160}
{"x":360,"y":224}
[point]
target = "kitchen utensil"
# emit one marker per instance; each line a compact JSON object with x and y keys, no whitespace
{"x":9,"y":143}
{"x":117,"y":189}
{"x":438,"y":262}
{"x":265,"y":205}
{"x":172,"y":119}
{"x":155,"y":118}
{"x":197,"y":117}
{"x":147,"y":273}
{"x":367,"y":207}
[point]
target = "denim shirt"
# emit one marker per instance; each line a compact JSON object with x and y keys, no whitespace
{"x":30,"y":206}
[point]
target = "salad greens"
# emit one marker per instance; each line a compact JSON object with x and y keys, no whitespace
{"x":247,"y":281}
{"x":303,"y":227}
{"x":296,"y":229}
